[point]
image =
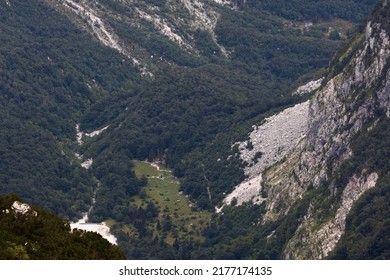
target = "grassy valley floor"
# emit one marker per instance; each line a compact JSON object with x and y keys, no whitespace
{"x":170,"y":215}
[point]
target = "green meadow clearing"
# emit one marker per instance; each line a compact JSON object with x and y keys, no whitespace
{"x":178,"y":216}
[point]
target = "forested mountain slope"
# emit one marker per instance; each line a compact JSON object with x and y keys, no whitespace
{"x":328,"y":196}
{"x":50,"y":74}
{"x":178,"y":115}
{"x":334,"y":158}
{"x":176,"y":82}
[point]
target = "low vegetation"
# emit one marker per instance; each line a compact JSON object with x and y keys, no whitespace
{"x":161,"y":211}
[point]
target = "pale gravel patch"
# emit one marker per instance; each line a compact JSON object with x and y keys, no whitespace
{"x":222,"y":2}
{"x":205,"y":19}
{"x":247,"y":191}
{"x":79,"y":135}
{"x":194,"y":15}
{"x":274,"y":139}
{"x":96,"y":132}
{"x":87,"y":164}
{"x":99,"y":28}
{"x":100,"y":228}
{"x":155,"y":165}
{"x":163,"y":27}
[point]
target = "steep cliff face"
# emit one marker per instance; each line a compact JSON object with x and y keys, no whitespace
{"x":348,"y":103}
{"x":313,"y":240}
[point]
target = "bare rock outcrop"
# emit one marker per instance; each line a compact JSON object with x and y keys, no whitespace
{"x":313,"y":242}
{"x":337,"y":113}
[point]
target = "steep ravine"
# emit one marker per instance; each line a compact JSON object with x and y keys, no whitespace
{"x":83,"y":223}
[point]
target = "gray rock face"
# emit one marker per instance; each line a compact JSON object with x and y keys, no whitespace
{"x":313,"y":242}
{"x":337,"y":113}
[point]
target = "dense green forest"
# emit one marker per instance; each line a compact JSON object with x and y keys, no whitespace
{"x":40,"y":235}
{"x":187,"y":115}
{"x":33,"y":166}
{"x":233,"y":235}
{"x":190,"y":114}
{"x":50,"y":73}
{"x":354,"y":10}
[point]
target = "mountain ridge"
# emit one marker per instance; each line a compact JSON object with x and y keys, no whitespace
{"x":337,"y":113}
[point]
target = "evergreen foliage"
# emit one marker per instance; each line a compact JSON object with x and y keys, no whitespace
{"x":33,"y":165}
{"x":52,"y":76}
{"x":353,"y":10}
{"x":50,"y":72}
{"x":41,"y":235}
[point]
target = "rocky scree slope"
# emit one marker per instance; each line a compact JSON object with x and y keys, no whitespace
{"x":268,"y":144}
{"x":173,"y":20}
{"x":349,"y":103}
